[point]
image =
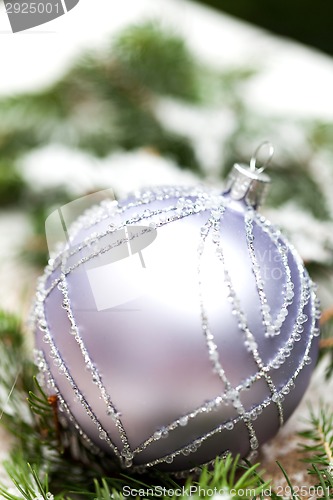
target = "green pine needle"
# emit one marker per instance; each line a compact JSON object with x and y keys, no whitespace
{"x":318,"y":445}
{"x":294,"y":495}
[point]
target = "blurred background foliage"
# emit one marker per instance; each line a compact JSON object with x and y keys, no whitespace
{"x":110,"y":101}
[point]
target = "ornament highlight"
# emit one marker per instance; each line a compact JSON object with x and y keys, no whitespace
{"x":177,"y":325}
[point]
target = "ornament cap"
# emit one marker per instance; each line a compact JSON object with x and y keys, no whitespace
{"x":249,"y":183}
{"x":244,"y":184}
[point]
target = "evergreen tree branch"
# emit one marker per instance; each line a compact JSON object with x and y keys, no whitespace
{"x":319,"y":443}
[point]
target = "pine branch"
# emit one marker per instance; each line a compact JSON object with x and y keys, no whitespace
{"x":319,"y":444}
{"x":139,"y":48}
{"x":226,"y":479}
{"x":11,"y":331}
{"x":15,"y":374}
{"x":27,"y":482}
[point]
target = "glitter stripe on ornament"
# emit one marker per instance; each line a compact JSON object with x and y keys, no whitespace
{"x":278,"y":396}
{"x":250,"y":342}
{"x":209,"y":337}
{"x":184,"y":207}
{"x":194,"y":445}
{"x":96,"y":378}
{"x":218,"y":401}
{"x":181,"y":422}
{"x":197,"y":470}
{"x":213,"y":223}
{"x":110,"y":208}
{"x":314,"y":332}
{"x":203,"y":202}
{"x":162,"y":212}
{"x":305,"y":294}
{"x":285,"y":351}
{"x":272,"y":328}
{"x":227,"y":425}
{"x":98,"y":213}
{"x":49,"y":382}
{"x":209,"y":406}
{"x":63,"y":370}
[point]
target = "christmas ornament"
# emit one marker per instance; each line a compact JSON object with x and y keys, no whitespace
{"x":177,"y":325}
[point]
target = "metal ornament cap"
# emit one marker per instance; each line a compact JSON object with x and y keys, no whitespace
{"x":246,"y":184}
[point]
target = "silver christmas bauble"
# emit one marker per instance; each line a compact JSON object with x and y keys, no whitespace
{"x":177,"y":325}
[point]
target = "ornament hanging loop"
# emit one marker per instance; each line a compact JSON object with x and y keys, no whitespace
{"x":253,"y":161}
